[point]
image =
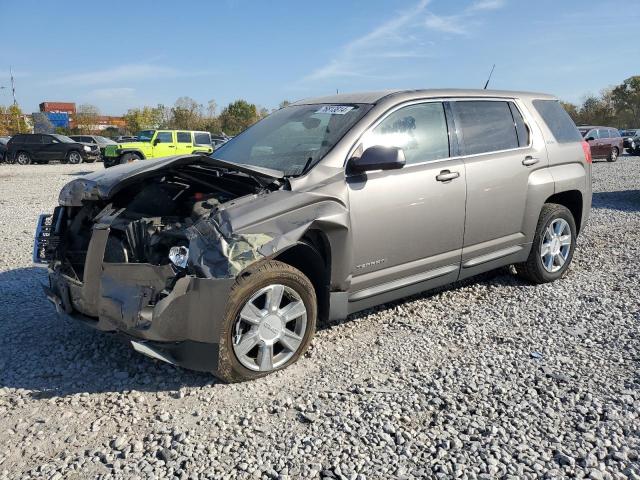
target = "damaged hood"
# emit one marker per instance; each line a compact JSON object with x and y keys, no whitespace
{"x":103,"y":184}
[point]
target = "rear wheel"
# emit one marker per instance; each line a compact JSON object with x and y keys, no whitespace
{"x":553,"y":245}
{"x":613,"y":156}
{"x":23,"y":158}
{"x":129,"y":157}
{"x":269,"y":323}
{"x":74,"y":158}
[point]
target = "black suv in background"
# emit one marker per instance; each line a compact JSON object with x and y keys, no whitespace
{"x":631,"y":138}
{"x":40,"y":148}
{"x":98,"y":140}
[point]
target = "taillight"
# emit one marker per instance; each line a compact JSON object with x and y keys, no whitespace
{"x":587,"y":151}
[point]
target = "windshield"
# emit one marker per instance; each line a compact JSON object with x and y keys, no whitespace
{"x":104,"y":140}
{"x":628,"y":133}
{"x":64,"y":139}
{"x":292,"y":139}
{"x":584,"y":131}
{"x":145,"y":135}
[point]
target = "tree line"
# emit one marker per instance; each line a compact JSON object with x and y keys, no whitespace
{"x":617,"y":106}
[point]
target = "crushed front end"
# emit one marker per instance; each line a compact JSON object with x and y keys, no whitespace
{"x":107,"y":251}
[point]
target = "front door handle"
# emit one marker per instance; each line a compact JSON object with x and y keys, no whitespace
{"x":447,"y":175}
{"x":529,"y":160}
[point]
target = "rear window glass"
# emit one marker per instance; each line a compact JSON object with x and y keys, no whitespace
{"x":558,"y":120}
{"x":486,"y":126}
{"x":202,"y":139}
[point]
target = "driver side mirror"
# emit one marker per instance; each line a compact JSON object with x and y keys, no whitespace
{"x":377,"y":158}
{"x":156,"y":142}
{"x":590,"y":139}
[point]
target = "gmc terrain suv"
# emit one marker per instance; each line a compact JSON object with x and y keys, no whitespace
{"x":40,"y":148}
{"x":226,"y":263}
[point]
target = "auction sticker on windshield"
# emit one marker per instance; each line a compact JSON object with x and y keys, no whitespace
{"x":335,"y":109}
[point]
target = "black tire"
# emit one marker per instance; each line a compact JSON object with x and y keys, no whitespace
{"x":637,"y":151}
{"x":613,"y":156}
{"x":23,"y":158}
{"x":533,"y":270}
{"x":129,"y":157}
{"x":262,"y":275}
{"x":74,"y":157}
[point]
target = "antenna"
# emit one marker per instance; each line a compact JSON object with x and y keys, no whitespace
{"x":489,"y":79}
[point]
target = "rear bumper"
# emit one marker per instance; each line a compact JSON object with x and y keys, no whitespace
{"x":178,"y":319}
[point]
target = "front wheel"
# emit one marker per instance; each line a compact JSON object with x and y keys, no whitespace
{"x":23,"y":158}
{"x":269,"y":323}
{"x":74,"y":158}
{"x":613,"y":156}
{"x":553,"y":245}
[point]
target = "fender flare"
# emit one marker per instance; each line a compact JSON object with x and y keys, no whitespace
{"x":133,"y":150}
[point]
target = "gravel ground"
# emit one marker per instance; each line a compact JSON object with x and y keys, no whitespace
{"x":490,"y":378}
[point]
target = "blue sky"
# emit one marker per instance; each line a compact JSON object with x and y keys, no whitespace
{"x":118,"y":55}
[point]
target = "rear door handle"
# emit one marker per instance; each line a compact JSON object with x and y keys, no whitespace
{"x":447,"y":175}
{"x":529,"y":160}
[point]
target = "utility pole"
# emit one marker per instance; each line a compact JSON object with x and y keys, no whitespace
{"x":13,"y":86}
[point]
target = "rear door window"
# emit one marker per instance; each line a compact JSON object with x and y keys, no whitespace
{"x":558,"y":120}
{"x":603,"y":133}
{"x":420,"y":130}
{"x":522,"y":130}
{"x":184,"y":137}
{"x":485,"y":126}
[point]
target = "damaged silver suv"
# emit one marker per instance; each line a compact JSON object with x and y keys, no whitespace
{"x":227,"y":263}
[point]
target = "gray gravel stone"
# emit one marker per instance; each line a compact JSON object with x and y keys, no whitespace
{"x":489,"y":378}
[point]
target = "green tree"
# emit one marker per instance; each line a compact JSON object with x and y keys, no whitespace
{"x":143,"y":118}
{"x":187,"y":114}
{"x":572,"y":110}
{"x":237,"y":116}
{"x":12,"y":120}
{"x":626,"y":101}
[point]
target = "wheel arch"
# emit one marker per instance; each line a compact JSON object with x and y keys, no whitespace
{"x":573,"y":201}
{"x":133,"y":150}
{"x":311,"y":254}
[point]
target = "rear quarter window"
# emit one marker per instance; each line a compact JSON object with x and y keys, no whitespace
{"x":558,"y":120}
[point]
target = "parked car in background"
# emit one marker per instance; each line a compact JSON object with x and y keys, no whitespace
{"x":3,"y":148}
{"x":219,"y":140}
{"x":98,"y":140}
{"x":126,"y":138}
{"x":158,"y":143}
{"x":631,"y":139}
{"x":605,"y":142}
{"x":27,"y":148}
{"x":226,"y":263}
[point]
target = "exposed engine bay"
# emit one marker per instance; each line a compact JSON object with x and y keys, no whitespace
{"x":149,"y":216}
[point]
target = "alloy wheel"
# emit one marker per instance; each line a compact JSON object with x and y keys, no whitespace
{"x":555,"y":245}
{"x":23,"y":159}
{"x":270,"y":328}
{"x":75,"y":158}
{"x":614,"y":154}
